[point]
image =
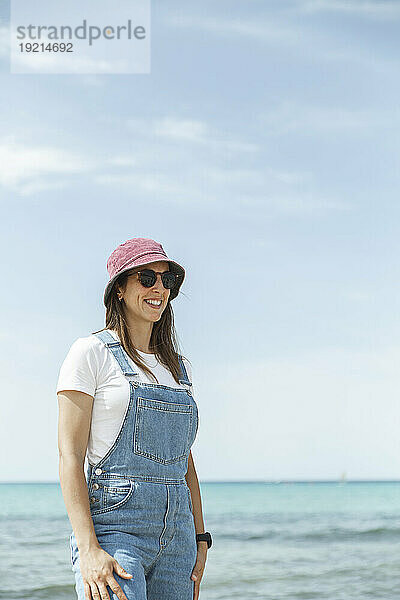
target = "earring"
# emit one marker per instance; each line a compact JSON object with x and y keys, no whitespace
{"x":120,"y":298}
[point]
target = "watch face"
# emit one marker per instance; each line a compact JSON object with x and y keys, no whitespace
{"x":206,"y":537}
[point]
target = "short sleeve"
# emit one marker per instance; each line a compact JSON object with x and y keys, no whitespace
{"x":79,"y":369}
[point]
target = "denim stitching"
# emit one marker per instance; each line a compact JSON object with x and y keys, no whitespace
{"x":150,"y":478}
{"x":162,"y":546}
{"x":165,"y":387}
{"x":190,"y":500}
{"x":139,"y":423}
{"x":187,"y":408}
{"x":165,"y":520}
{"x":110,"y":508}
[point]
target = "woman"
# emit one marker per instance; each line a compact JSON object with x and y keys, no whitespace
{"x":125,"y":404}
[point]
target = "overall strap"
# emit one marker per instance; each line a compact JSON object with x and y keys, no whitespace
{"x":122,"y":359}
{"x":184,"y":376}
{"x":119,"y":353}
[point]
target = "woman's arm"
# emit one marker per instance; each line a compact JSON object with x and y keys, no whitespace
{"x":193,"y":483}
{"x":202,"y":547}
{"x":96,"y":565}
{"x":75,"y":412}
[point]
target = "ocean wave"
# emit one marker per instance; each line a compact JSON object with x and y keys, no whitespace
{"x":61,"y":592}
{"x":323,"y":535}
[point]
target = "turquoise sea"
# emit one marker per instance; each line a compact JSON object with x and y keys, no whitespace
{"x":283,"y":540}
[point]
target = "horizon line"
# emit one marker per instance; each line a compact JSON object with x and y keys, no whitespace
{"x":268,"y":481}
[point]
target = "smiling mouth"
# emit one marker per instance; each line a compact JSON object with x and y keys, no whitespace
{"x":155,"y":305}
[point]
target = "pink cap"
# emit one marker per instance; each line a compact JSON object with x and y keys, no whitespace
{"x":137,"y":252}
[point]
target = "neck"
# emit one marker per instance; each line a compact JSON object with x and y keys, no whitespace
{"x":139,"y":333}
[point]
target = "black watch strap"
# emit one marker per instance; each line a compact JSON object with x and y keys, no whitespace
{"x":204,"y":537}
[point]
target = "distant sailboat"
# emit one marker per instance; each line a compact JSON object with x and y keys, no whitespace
{"x":343,"y":478}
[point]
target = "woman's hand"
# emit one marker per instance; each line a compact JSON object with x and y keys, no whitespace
{"x":97,"y":568}
{"x":198,"y":568}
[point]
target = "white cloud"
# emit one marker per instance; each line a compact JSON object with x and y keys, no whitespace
{"x":260,"y":191}
{"x":304,"y":203}
{"x":123,"y":161}
{"x":292,"y":116}
{"x":280,"y":26}
{"x":264,"y":29}
{"x":151,"y":183}
{"x":191,"y":131}
{"x":92,"y":80}
{"x":200,"y":181}
{"x":182,"y":129}
{"x":40,"y":185}
{"x":181,"y":178}
{"x":366,"y":8}
{"x":292,"y":28}
{"x":23,"y":166}
{"x":252,"y":177}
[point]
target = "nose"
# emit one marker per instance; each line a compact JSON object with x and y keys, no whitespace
{"x":158,"y":284}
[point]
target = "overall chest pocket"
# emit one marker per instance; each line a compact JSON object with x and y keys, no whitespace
{"x":163,"y":430}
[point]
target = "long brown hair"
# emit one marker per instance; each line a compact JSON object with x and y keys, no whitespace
{"x":163,"y":339}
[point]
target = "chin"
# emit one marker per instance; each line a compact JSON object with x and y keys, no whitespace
{"x":154,"y":319}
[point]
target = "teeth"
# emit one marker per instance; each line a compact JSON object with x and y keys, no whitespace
{"x":154,"y":302}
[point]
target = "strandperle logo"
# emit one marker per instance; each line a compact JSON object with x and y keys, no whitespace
{"x":87,"y":32}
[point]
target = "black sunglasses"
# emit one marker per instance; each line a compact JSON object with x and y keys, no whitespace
{"x":148,"y":277}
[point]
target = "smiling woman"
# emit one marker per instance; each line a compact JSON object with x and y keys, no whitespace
{"x":148,"y":278}
{"x":138,"y":512}
{"x":134,"y":290}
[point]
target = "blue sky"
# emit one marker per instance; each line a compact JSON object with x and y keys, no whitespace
{"x":262,"y":152}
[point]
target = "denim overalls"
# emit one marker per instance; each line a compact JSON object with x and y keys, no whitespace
{"x":139,"y":500}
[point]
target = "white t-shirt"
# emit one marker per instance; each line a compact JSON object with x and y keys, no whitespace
{"x":90,"y":367}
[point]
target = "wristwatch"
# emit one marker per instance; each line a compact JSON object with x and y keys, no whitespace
{"x":204,"y":537}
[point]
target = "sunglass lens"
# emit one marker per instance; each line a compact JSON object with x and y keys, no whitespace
{"x":147,"y":277}
{"x":168,"y":280}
